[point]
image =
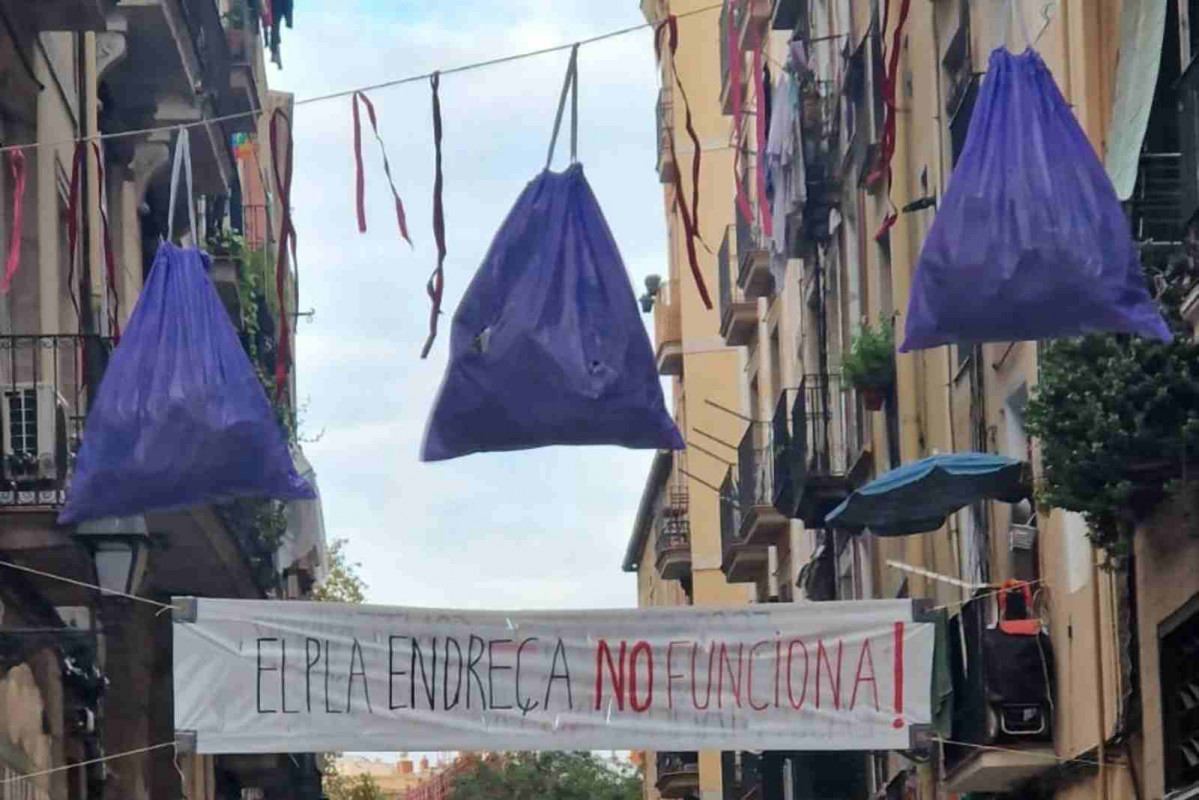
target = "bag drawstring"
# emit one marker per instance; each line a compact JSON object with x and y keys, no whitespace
{"x":571,"y":84}
{"x":183,"y":161}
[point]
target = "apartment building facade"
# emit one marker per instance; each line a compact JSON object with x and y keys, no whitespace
{"x":84,"y":678}
{"x":819,"y":232}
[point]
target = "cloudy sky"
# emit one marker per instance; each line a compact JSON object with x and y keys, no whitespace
{"x":541,"y":529}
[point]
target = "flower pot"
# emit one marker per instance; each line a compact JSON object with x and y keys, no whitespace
{"x":873,"y":397}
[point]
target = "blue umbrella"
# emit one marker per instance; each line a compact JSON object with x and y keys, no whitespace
{"x":917,"y":497}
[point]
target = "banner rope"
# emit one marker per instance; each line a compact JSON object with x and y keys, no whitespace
{"x":101,"y":589}
{"x":1034,"y":753}
{"x":41,"y":774}
{"x":351,"y":92}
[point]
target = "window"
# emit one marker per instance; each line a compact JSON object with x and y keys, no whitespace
{"x":961,"y":84}
{"x":22,"y":420}
{"x":1177,"y":643}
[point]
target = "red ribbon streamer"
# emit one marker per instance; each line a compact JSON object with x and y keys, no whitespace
{"x":742,"y":202}
{"x":287,"y":234}
{"x":887,"y":146}
{"x":16,"y":160}
{"x":690,"y":217}
{"x":401,"y":218}
{"x":73,"y":221}
{"x":436,"y":284}
{"x":760,"y":101}
{"x":114,"y":322}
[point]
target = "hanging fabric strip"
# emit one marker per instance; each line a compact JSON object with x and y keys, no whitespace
{"x":16,"y":160}
{"x":690,"y":217}
{"x":77,"y":164}
{"x":760,"y":159}
{"x":287,"y":237}
{"x":436,"y":284}
{"x":401,"y":218}
{"x":742,"y":202}
{"x":110,"y":267}
{"x":887,"y":148}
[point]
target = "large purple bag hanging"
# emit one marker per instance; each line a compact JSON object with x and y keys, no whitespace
{"x":547,"y":346}
{"x":1030,"y":241}
{"x":180,"y":418}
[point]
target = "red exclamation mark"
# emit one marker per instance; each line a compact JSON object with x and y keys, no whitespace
{"x":898,"y":723}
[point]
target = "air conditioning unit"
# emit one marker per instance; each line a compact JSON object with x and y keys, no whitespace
{"x":34,"y":416}
{"x":1021,"y":538}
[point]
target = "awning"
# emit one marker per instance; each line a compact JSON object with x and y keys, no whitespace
{"x":918,"y":497}
{"x":1142,"y":27}
{"x":303,"y":545}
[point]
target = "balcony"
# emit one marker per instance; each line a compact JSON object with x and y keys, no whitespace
{"x":761,"y":523}
{"x":811,"y":445}
{"x":665,"y":114}
{"x":247,"y":67}
{"x":738,"y":316}
{"x":678,"y":775}
{"x":791,"y":16}
{"x":1002,"y":715}
{"x":741,"y":562}
{"x":673,"y":545}
{"x":44,"y":407}
{"x":71,"y":15}
{"x":753,"y":250}
{"x":177,"y":72}
{"x":752,"y":20}
{"x":726,"y":28}
{"x":668,"y":329}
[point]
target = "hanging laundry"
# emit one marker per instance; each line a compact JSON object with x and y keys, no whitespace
{"x":547,"y":346}
{"x":784,"y":161}
{"x":180,"y":418}
{"x":1030,"y":241}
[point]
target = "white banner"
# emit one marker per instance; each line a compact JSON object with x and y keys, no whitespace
{"x":267,"y":676}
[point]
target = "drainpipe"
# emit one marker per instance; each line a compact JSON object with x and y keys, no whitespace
{"x":1101,"y":694}
{"x":902,"y":248}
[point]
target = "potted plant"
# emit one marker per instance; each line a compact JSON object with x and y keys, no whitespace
{"x":870,"y":364}
{"x":22,"y":466}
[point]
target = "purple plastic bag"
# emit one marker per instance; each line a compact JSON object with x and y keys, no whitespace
{"x":1030,"y":240}
{"x":180,"y":418}
{"x":547,"y":346}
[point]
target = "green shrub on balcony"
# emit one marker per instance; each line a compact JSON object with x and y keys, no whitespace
{"x":870,"y":363}
{"x":1117,"y":417}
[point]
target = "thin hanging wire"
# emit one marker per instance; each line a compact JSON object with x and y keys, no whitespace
{"x":43,"y":773}
{"x":372,"y":87}
{"x":101,"y":589}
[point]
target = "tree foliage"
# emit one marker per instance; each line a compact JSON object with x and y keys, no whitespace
{"x":547,"y":776}
{"x":1117,"y":416}
{"x":344,"y":787}
{"x":342,"y":583}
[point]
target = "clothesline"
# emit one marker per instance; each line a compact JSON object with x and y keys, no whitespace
{"x":368,"y":88}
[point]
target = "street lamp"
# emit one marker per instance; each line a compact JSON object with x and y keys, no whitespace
{"x":120,"y":548}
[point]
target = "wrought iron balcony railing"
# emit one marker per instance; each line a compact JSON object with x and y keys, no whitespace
{"x":46,"y":381}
